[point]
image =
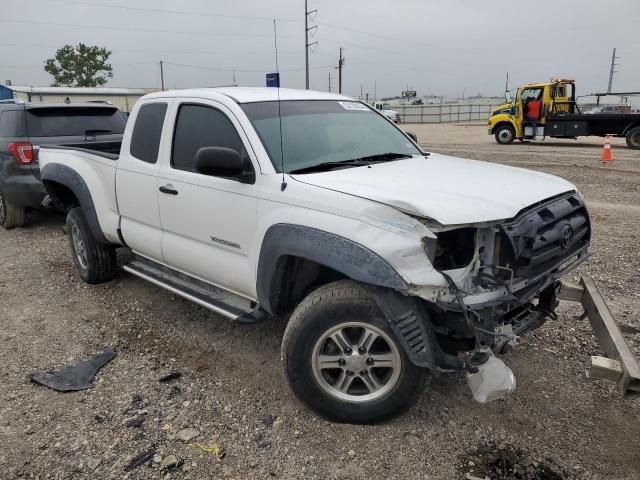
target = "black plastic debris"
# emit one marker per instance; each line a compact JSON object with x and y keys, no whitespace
{"x":74,"y":377}
{"x":135,"y":422}
{"x":267,"y":420}
{"x":171,"y":376}
{"x":174,"y":392}
{"x":141,"y":458}
{"x":136,"y":402}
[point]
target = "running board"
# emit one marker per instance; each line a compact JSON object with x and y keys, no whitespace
{"x":206,"y":295}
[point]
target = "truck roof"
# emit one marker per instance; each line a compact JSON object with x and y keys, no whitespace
{"x":250,"y":94}
{"x":552,"y":82}
{"x":41,"y":105}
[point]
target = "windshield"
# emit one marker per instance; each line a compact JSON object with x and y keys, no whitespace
{"x":317,"y":132}
{"x":74,"y":121}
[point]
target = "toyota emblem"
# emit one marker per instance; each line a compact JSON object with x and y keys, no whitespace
{"x":567,"y":237}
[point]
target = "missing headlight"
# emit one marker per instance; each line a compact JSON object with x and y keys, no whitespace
{"x":455,"y":248}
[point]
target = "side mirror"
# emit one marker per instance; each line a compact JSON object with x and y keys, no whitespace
{"x":224,"y":162}
{"x":412,"y":136}
{"x":507,"y":97}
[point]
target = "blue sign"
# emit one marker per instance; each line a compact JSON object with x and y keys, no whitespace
{"x":273,"y":80}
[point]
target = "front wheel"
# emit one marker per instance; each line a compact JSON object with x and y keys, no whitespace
{"x":633,"y":138}
{"x":505,"y":134}
{"x":342,"y":359}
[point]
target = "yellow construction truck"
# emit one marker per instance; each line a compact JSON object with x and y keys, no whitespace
{"x":549,"y":109}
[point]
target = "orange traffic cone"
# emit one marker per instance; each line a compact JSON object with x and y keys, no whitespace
{"x":607,"y":155}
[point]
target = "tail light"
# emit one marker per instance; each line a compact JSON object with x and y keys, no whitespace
{"x":23,"y":152}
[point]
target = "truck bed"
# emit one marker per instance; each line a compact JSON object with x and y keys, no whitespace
{"x":94,"y":172}
{"x":575,"y":125}
{"x":102,"y":153}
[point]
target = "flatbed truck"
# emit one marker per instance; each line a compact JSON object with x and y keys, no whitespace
{"x":560,"y":117}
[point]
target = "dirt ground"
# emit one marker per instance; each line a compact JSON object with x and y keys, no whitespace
{"x":232,"y":392}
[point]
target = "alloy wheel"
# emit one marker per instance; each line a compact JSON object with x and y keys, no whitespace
{"x":356,"y":362}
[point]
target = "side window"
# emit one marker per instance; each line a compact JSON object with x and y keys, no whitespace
{"x":12,"y":124}
{"x":199,"y":126}
{"x":145,"y":140}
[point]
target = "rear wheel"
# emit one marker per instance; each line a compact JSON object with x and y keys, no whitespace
{"x":342,"y":359}
{"x":10,"y":215}
{"x":505,"y":134}
{"x":633,"y":138}
{"x":95,"y":261}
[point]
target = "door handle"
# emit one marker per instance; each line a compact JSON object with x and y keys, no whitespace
{"x":168,"y":189}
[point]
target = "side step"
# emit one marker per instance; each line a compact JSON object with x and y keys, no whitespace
{"x":220,"y":301}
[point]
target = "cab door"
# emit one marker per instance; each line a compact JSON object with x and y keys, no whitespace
{"x":137,"y":180}
{"x":208,"y":222}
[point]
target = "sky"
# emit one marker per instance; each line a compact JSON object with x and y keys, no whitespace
{"x":434,"y":47}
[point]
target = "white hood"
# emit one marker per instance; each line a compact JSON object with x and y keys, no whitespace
{"x":449,"y":190}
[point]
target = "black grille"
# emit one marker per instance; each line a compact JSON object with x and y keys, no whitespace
{"x":544,"y":236}
{"x":107,"y":147}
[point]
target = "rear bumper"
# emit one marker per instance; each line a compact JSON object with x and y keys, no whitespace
{"x":24,"y":191}
{"x":623,"y":369}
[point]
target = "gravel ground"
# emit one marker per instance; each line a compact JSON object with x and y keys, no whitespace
{"x":231,"y":397}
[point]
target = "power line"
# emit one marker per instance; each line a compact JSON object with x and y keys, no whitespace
{"x":202,"y":67}
{"x":155,"y":50}
{"x":444,"y":46}
{"x":112,"y":64}
{"x":173,"y":12}
{"x":146,"y":30}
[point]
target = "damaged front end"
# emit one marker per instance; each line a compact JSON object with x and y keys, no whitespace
{"x":502,"y":279}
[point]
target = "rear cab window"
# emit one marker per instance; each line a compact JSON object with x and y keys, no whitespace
{"x":74,"y":121}
{"x":147,"y":131}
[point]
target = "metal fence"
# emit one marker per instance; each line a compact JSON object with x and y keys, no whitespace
{"x":445,"y":113}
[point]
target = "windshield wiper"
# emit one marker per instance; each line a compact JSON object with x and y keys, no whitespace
{"x":354,"y":162}
{"x":384,"y":157}
{"x":326,"y":166}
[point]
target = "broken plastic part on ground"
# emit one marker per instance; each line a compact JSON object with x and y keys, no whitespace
{"x":73,"y":377}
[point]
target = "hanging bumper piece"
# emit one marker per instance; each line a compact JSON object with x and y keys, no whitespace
{"x":619,"y":365}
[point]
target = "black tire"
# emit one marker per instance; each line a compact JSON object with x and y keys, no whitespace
{"x":633,"y":138}
{"x":95,"y":261}
{"x":10,"y":215}
{"x":330,"y":307}
{"x":505,"y":134}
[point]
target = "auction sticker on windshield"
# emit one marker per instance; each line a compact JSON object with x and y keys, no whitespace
{"x":353,"y":106}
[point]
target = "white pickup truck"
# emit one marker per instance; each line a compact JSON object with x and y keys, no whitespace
{"x":387,"y":261}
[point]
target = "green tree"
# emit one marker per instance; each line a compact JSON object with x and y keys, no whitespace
{"x":79,"y":66}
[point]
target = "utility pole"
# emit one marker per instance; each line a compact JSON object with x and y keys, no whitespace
{"x":234,"y":77}
{"x":161,"y":76}
{"x":306,"y":40}
{"x":506,"y":84}
{"x":612,"y":70}
{"x":329,"y":81}
{"x":339,"y":67}
{"x":360,"y":97}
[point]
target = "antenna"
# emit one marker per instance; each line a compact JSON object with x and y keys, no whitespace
{"x":275,"y":44}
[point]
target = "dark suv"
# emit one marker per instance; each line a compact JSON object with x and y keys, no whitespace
{"x":26,"y":126}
